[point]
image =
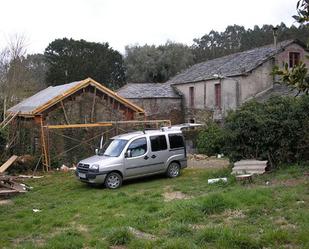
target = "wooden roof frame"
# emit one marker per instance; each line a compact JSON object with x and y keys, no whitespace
{"x":81,"y":85}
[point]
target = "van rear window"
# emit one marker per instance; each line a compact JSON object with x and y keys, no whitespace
{"x":158,"y":143}
{"x":176,"y":141}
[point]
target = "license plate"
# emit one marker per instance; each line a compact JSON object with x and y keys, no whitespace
{"x":82,"y":175}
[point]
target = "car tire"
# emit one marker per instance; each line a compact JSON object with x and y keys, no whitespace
{"x":113,"y":180}
{"x":173,"y":170}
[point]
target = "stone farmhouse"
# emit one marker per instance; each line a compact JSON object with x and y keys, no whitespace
{"x":218,"y":85}
{"x":161,"y":100}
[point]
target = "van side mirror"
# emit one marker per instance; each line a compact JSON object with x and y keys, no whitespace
{"x":96,"y":151}
{"x":128,"y":154}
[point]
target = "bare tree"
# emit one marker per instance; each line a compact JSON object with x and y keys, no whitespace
{"x":17,"y":79}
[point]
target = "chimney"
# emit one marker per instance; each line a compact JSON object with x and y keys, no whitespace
{"x":275,"y":34}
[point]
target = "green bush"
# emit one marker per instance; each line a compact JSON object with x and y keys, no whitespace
{"x":211,"y":140}
{"x":277,"y":130}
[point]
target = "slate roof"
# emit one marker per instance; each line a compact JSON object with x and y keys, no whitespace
{"x":52,"y":95}
{"x":231,"y":65}
{"x":276,"y":90}
{"x":147,"y":90}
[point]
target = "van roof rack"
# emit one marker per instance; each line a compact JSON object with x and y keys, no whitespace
{"x":180,"y":126}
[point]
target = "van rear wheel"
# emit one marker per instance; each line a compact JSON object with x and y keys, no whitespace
{"x":173,"y":170}
{"x":113,"y":180}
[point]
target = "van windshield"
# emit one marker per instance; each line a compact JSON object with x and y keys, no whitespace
{"x":115,"y":147}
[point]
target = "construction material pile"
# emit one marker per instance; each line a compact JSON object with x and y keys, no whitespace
{"x":10,"y":185}
{"x":249,"y":167}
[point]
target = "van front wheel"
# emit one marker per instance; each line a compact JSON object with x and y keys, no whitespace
{"x":173,"y":170}
{"x":113,"y":180}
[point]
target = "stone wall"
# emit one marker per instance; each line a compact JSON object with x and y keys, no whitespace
{"x":162,"y":108}
{"x":235,"y":90}
{"x":283,"y":57}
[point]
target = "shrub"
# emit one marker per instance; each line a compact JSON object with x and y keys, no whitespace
{"x":210,"y":140}
{"x":277,"y":130}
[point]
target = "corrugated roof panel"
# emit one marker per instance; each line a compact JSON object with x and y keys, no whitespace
{"x":30,"y":104}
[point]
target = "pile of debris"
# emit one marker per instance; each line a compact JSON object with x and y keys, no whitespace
{"x":10,"y":185}
{"x":197,"y":157}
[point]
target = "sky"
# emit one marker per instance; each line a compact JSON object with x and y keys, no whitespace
{"x":131,"y":22}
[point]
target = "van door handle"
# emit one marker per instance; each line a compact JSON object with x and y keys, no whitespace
{"x":153,"y":156}
{"x":146,"y":157}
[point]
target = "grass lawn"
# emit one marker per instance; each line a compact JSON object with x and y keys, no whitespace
{"x":158,"y":212}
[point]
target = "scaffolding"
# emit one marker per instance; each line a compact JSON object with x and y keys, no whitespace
{"x":48,"y":115}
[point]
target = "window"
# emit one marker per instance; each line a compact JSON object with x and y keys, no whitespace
{"x":138,"y":147}
{"x":191,"y":97}
{"x":158,"y":143}
{"x":115,"y":147}
{"x":218,"y":95}
{"x":176,"y":141}
{"x":294,"y":58}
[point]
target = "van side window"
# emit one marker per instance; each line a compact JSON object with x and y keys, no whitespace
{"x":158,"y":143}
{"x":176,"y":141}
{"x":138,"y":147}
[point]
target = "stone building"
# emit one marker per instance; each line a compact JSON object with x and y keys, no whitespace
{"x":225,"y":83}
{"x":160,"y":101}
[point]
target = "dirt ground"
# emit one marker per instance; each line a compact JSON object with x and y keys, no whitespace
{"x":208,"y":163}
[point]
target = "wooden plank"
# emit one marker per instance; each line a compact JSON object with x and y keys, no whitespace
{"x":8,"y":192}
{"x":8,"y":120}
{"x":78,"y":126}
{"x":109,"y":123}
{"x":93,"y":104}
{"x":43,"y":145}
{"x":30,"y":176}
{"x":64,"y":113}
{"x":10,"y":114}
{"x":13,"y":185}
{"x":8,"y":163}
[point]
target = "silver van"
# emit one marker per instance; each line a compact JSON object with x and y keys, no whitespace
{"x":135,"y":154}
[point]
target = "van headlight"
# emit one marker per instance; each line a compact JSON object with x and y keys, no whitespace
{"x":94,"y":167}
